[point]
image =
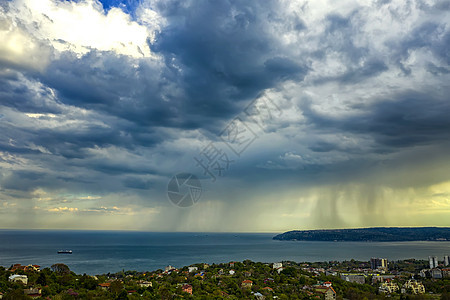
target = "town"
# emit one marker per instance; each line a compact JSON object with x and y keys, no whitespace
{"x":377,"y":278}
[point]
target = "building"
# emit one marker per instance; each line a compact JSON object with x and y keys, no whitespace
{"x":277,"y":265}
{"x":446,"y":261}
{"x":19,"y":278}
{"x":423,"y":273}
{"x":247,"y":284}
{"x":328,"y":292}
{"x":247,"y":273}
{"x":415,"y":287}
{"x":169,"y":268}
{"x":16,"y":267}
{"x":192,"y":269}
{"x":361,"y":279}
{"x":232,"y":272}
{"x":268,"y":280}
{"x":381,"y":278}
{"x":104,"y":286}
{"x":36,"y":268}
{"x":378,"y":263}
{"x":388,"y":287}
{"x":187,"y":288}
{"x":33,"y":292}
{"x":145,"y":284}
{"x":433,"y":262}
{"x":200,"y":274}
{"x":436,"y":273}
{"x":446,"y":273}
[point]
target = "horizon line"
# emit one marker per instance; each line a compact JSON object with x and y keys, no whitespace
{"x":205,"y":232}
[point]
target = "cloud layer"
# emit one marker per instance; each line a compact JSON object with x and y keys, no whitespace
{"x":101,"y":103}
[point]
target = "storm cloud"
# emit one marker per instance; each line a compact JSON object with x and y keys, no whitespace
{"x":102,"y":102}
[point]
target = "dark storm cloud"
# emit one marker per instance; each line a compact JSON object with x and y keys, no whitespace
{"x":339,"y":37}
{"x":122,"y":124}
{"x":112,"y":85}
{"x":16,"y":93}
{"x":216,"y":57}
{"x":431,"y":36}
{"x":406,"y":120}
{"x":355,"y":74}
{"x":226,"y":51}
{"x":25,"y":181}
{"x":137,"y":183}
{"x":435,"y":70}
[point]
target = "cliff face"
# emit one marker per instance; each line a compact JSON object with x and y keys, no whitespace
{"x":375,"y":234}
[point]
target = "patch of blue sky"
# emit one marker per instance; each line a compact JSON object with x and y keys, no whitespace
{"x":128,"y":6}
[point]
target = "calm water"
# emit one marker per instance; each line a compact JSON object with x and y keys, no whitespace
{"x":103,"y":252}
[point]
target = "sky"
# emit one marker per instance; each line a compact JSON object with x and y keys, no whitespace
{"x":293,"y":114}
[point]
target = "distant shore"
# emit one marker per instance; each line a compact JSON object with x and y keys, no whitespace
{"x":374,"y":234}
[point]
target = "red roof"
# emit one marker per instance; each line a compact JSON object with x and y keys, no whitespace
{"x":247,"y":281}
{"x":106,"y":284}
{"x":324,"y":289}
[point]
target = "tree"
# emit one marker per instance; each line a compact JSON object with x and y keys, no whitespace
{"x":16,"y":294}
{"x":123,"y":295}
{"x":42,"y":279}
{"x":88,"y":282}
{"x":60,"y":269}
{"x":46,"y":291}
{"x":116,"y":287}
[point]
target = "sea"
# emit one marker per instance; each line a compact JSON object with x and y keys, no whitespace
{"x":102,"y":252}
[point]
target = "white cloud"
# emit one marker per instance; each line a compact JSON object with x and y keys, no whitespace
{"x":19,"y":48}
{"x":61,"y":209}
{"x":81,"y":26}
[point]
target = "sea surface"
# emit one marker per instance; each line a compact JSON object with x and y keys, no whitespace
{"x":100,"y":252}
